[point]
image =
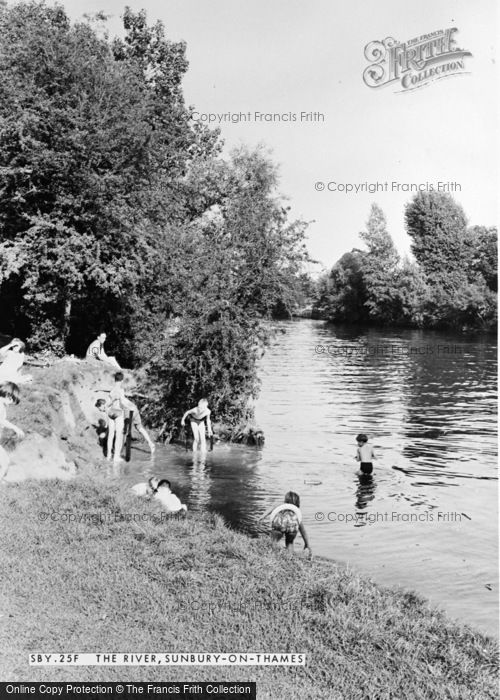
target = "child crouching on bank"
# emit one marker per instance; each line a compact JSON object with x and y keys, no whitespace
{"x":286,"y":520}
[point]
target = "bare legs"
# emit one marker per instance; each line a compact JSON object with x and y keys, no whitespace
{"x":199,"y":436}
{"x":115,"y":433}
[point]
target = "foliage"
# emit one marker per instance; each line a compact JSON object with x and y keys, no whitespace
{"x":437,"y":227}
{"x":380,"y":269}
{"x":453,"y":282}
{"x":342,"y":292}
{"x":118,"y":213}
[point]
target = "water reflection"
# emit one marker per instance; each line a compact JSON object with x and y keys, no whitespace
{"x":365,"y":492}
{"x":199,"y":491}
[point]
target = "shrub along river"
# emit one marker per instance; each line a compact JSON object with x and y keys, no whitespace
{"x":427,"y":520}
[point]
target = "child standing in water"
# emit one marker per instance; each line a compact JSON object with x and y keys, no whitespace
{"x":286,"y":520}
{"x":9,"y":394}
{"x":198,"y":416}
{"x":137,"y":423}
{"x":118,"y":403}
{"x":365,"y":454}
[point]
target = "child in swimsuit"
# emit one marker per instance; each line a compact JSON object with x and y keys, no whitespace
{"x":365,"y":454}
{"x":198,"y":417}
{"x":286,"y":519}
{"x":137,"y":423}
{"x":118,"y":403}
{"x":9,"y":394}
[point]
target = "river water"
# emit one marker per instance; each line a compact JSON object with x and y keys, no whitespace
{"x":427,"y":520}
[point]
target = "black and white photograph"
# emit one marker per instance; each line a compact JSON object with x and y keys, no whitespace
{"x":248,"y":349}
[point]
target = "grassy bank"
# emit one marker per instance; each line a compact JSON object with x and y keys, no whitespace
{"x":108,"y":584}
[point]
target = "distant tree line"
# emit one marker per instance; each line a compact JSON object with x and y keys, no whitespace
{"x":452,"y":282}
{"x":118,"y":213}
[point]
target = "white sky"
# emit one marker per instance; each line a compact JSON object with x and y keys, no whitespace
{"x":292,"y":56}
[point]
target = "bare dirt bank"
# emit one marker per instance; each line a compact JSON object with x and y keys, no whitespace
{"x":57,"y":413}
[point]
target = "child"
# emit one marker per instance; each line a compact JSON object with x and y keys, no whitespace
{"x":9,"y":394}
{"x":286,"y":519}
{"x":168,"y":500}
{"x":147,"y":489}
{"x":198,"y":416}
{"x":364,"y":454}
{"x":102,"y":423}
{"x":12,"y":357}
{"x":137,"y":423}
{"x":118,"y":403}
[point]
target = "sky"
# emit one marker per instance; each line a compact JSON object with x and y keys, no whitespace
{"x":288,"y":56}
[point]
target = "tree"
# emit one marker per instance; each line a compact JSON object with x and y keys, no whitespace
{"x":95,"y":143}
{"x":437,"y":226}
{"x":380,"y":269}
{"x":342,"y":294}
{"x":484,"y":242}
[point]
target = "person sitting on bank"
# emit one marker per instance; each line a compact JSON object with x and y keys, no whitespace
{"x":12,"y":359}
{"x":9,"y":394}
{"x":198,"y":416}
{"x":168,"y":500}
{"x":286,"y":519}
{"x":146,"y":489}
{"x":95,"y":351}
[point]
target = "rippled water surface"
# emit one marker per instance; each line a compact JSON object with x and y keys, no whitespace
{"x":428,"y":518}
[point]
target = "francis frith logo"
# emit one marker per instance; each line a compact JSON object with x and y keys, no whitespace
{"x":415,"y":63}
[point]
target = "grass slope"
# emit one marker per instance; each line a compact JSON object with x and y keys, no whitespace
{"x":195,"y":586}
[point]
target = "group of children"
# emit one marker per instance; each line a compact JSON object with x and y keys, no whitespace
{"x":285,"y":519}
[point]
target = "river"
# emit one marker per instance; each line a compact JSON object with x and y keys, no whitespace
{"x":427,"y":520}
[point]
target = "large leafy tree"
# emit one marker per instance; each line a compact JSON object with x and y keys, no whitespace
{"x":342,"y":293}
{"x":95,"y":142}
{"x":438,"y":229}
{"x":380,"y":269}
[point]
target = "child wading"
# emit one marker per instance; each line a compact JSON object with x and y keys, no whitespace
{"x":286,"y":519}
{"x":9,"y":394}
{"x":118,"y":403}
{"x":198,"y":416}
{"x":137,"y":423}
{"x":365,"y":454}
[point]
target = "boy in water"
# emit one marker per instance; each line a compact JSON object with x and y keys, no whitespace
{"x":9,"y":394}
{"x":198,"y":416}
{"x":365,"y":454}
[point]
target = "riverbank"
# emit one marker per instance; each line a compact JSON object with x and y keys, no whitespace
{"x":88,"y":569}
